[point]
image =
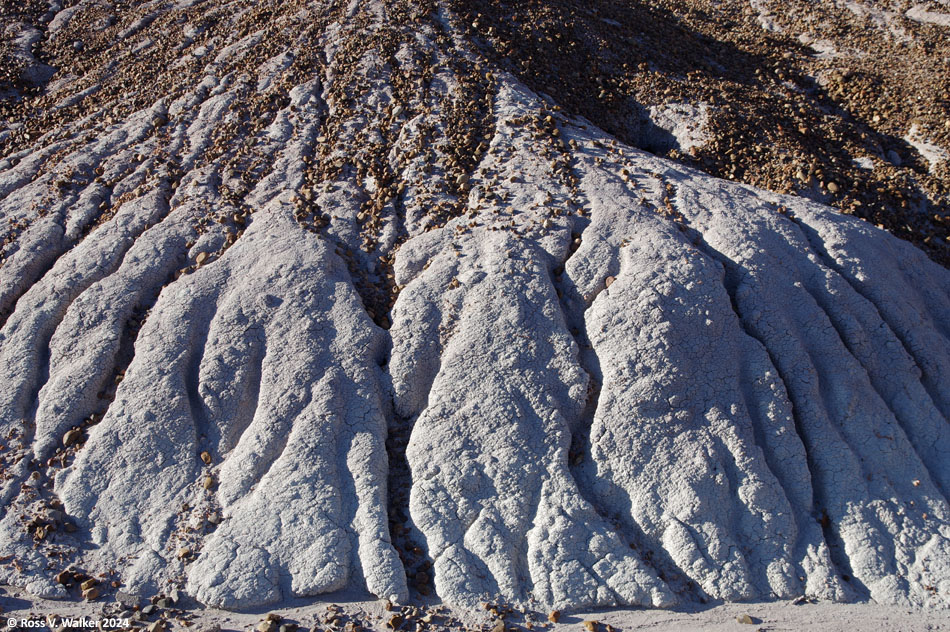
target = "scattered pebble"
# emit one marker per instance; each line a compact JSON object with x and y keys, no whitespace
{"x":71,"y":437}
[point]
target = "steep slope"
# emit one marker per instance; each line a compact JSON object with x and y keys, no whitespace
{"x":314,"y":296}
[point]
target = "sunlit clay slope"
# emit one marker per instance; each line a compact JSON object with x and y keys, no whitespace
{"x":312,"y":297}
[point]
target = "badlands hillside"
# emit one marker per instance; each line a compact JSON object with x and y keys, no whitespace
{"x":553,"y":303}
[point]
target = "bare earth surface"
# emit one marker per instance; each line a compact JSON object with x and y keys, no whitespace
{"x":373,"y":615}
{"x":560,"y":305}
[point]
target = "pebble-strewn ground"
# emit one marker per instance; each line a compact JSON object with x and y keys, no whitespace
{"x":847,"y":103}
{"x":440,"y":301}
{"x":828,"y":100}
{"x":348,"y":614}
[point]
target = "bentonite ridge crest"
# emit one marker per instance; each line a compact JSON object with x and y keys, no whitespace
{"x":622,"y":381}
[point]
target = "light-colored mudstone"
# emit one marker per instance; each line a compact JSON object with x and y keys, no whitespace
{"x":628,"y":383}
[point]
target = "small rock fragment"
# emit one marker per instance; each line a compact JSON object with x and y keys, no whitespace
{"x":744,"y":618}
{"x":206,"y":457}
{"x":590,"y":626}
{"x":267,"y":626}
{"x":421,"y":578}
{"x":555,"y":616}
{"x":71,"y":437}
{"x":89,"y":594}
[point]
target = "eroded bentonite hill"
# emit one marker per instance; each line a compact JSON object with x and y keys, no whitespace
{"x":306,"y":296}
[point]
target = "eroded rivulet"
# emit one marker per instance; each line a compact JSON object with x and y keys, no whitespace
{"x":280,"y":237}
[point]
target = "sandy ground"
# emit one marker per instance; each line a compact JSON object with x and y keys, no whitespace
{"x":373,"y":615}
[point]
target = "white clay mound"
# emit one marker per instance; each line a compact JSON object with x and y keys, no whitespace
{"x":618,"y":381}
